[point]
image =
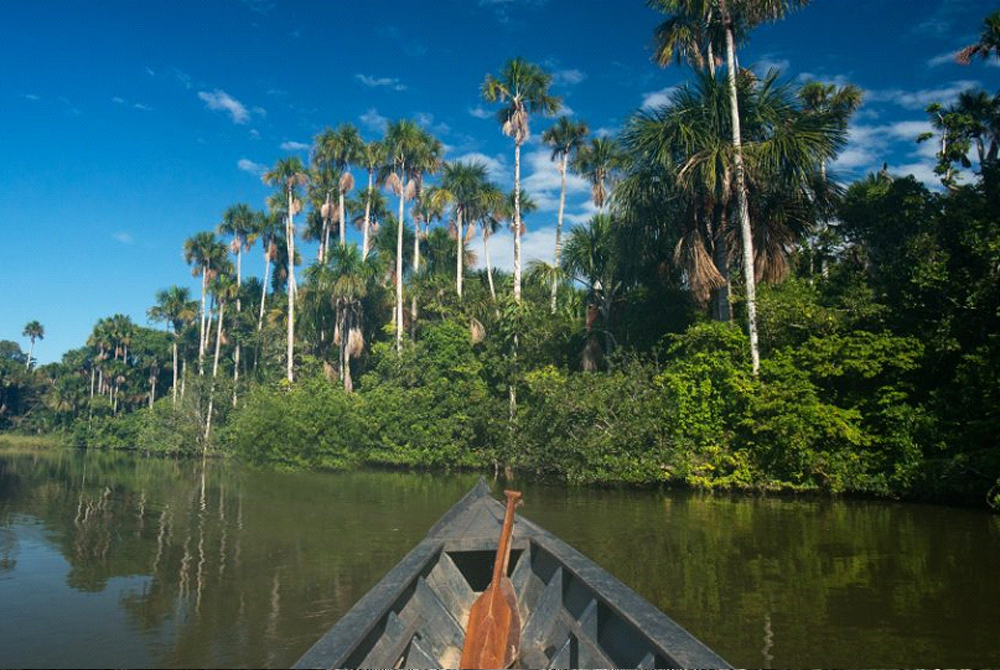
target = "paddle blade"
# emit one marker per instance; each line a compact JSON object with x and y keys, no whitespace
{"x":493,"y":636}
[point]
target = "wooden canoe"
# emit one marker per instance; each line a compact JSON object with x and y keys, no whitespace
{"x":573,"y":613}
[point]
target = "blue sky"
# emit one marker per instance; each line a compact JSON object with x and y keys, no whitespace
{"x":127,"y":126}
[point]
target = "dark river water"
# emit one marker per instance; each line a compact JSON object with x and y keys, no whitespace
{"x":109,"y":560}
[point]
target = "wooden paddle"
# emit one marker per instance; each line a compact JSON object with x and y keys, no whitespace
{"x":493,"y":636}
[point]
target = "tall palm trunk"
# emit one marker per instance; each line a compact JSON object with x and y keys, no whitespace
{"x":31,"y":352}
{"x":239,"y":310}
{"x":416,"y":268}
{"x":324,"y":244}
{"x":215,"y":371}
{"x":461,"y":251}
{"x":399,"y":260}
{"x":517,"y":223}
{"x":263,"y":290}
{"x":741,"y":196}
{"x":489,"y":270}
{"x":368,"y":220}
{"x":559,"y":224}
{"x":290,"y":235}
{"x":201,"y":330}
{"x":343,"y":228}
{"x":174,"y":388}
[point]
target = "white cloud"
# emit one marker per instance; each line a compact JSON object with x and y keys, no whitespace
{"x":908,"y":130}
{"x":142,"y":107}
{"x":657,"y":98}
{"x":496,"y":166}
{"x":942,"y":59}
{"x":118,"y":100}
{"x":923,"y":172}
{"x":294,"y":146}
{"x":183,"y":78}
{"x":123,"y":237}
{"x":568,"y":77}
{"x":219,"y":100}
{"x":481,"y":113}
{"x":543,"y":180}
{"x":922,"y":98}
{"x":150,"y":72}
{"x":765,"y":64}
{"x":380,"y":82}
{"x":248,"y":165}
{"x":536,"y":244}
{"x":426,"y":120}
{"x":30,"y":96}
{"x":373,"y":120}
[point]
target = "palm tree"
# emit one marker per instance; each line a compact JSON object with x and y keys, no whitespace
{"x":174,"y":306}
{"x":491,"y":215}
{"x":683,"y":147}
{"x":838,"y":102}
{"x":323,"y":182}
{"x":592,"y":257}
{"x":427,"y":161}
{"x":597,"y":163}
{"x":405,"y":143}
{"x":34,"y":331}
{"x":373,"y":157}
{"x":565,"y":138}
{"x":988,"y":44}
{"x":337,"y":150}
{"x":266,"y":225}
{"x":205,"y":253}
{"x":238,"y":221}
{"x":355,"y":281}
{"x":686,"y":36}
{"x":735,"y":18}
{"x":462,"y":186}
{"x":522,"y":88}
{"x":290,"y":174}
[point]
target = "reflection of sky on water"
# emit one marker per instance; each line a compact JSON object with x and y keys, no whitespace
{"x":36,"y":601}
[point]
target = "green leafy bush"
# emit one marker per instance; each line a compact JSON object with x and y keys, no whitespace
{"x":313,"y":424}
{"x":429,"y":405}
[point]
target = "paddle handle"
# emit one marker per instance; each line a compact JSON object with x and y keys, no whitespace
{"x":503,"y":550}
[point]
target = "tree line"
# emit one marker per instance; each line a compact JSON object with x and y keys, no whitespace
{"x":733,"y":316}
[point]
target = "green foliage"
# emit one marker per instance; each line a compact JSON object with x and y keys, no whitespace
{"x":429,"y":406}
{"x":313,"y":424}
{"x":171,"y":428}
{"x":594,"y":428}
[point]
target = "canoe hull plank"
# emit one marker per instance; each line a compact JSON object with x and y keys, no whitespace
{"x":573,"y":613}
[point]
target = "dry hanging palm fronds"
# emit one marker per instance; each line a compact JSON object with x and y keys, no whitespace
{"x":393,"y":183}
{"x":411,"y":189}
{"x":702,"y":276}
{"x":598,"y":193}
{"x":336,"y":334}
{"x":296,"y":206}
{"x":327,"y":211}
{"x":234,"y":246}
{"x":346,"y":182}
{"x":329,"y":371}
{"x":272,"y":252}
{"x":355,"y":343}
{"x":477,"y":332}
{"x":225,"y":338}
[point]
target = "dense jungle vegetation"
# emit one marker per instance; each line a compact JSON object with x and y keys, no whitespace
{"x":733,"y":317}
